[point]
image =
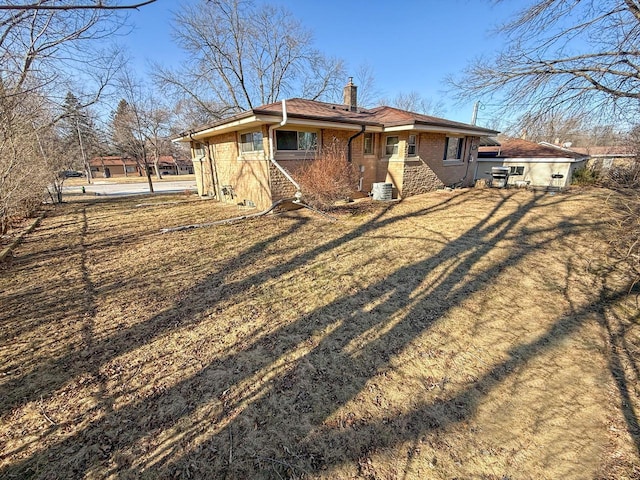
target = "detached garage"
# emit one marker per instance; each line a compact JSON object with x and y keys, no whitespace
{"x":536,"y":165}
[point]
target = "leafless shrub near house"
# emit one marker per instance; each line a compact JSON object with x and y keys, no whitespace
{"x":329,"y":178}
{"x":625,"y":241}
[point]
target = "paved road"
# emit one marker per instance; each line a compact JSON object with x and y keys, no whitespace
{"x":103,"y":188}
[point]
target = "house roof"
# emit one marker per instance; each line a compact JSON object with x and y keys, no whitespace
{"x":171,"y":160}
{"x":610,"y":151}
{"x":519,"y":148}
{"x":111,"y":160}
{"x":322,"y":114}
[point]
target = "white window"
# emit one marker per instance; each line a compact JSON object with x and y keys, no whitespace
{"x":294,"y":140}
{"x":411,"y":145}
{"x":251,"y":142}
{"x":516,"y":170}
{"x":453,"y":148}
{"x":392,"y":145}
{"x":368,"y":143}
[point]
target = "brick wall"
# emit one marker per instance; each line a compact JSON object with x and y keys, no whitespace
{"x":419,"y":178}
{"x":431,"y":151}
{"x":280,"y":185}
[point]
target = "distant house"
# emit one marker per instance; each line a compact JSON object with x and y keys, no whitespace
{"x":606,"y":157}
{"x":537,"y":165}
{"x":113,"y":166}
{"x":255,"y":155}
{"x":170,"y":165}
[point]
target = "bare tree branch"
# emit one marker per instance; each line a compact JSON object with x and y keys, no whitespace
{"x":579,"y":54}
{"x":97,"y":6}
{"x":242,"y":55}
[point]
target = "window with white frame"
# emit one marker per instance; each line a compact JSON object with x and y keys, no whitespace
{"x":412,"y":145}
{"x":295,"y":140}
{"x":516,"y":170}
{"x":453,"y":148}
{"x":251,"y":142}
{"x":392,"y":145}
{"x":368,"y":144}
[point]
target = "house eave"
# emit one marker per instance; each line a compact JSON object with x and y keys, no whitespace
{"x":438,"y":129}
{"x":248,"y":121}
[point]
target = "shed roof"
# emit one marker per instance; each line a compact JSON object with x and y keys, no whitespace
{"x":519,"y":148}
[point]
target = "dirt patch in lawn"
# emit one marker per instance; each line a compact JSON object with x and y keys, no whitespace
{"x":468,"y":334}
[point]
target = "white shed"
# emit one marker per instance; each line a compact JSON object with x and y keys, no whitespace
{"x":537,"y":165}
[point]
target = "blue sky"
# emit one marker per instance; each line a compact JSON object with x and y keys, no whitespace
{"x":409,"y":44}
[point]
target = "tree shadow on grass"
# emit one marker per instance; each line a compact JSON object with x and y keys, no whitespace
{"x":228,"y":400}
{"x":27,"y":386}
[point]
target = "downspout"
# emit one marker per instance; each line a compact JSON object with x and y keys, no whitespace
{"x":350,"y":140}
{"x":272,"y":157}
{"x":214,"y":172}
{"x":201,"y":164}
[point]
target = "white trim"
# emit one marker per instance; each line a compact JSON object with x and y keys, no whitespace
{"x":243,"y":123}
{"x":435,"y":129}
{"x":531,"y":160}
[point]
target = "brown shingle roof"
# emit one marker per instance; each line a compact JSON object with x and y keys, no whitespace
{"x":606,"y":151}
{"x":382,"y":116}
{"x":111,"y":160}
{"x":311,"y":109}
{"x":518,"y":148}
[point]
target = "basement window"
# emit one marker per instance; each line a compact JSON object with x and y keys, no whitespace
{"x":516,"y":170}
{"x":251,"y":142}
{"x":294,"y":140}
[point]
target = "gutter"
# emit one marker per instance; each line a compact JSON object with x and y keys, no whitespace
{"x":353,"y":137}
{"x":272,"y":157}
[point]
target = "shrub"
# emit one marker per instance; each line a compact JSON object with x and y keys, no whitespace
{"x":585,"y":176}
{"x":328,"y":178}
{"x":624,"y":176}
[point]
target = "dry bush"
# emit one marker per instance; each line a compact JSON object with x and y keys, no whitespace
{"x":625,"y":240}
{"x":23,"y":169}
{"x":328,"y":178}
{"x":624,"y":176}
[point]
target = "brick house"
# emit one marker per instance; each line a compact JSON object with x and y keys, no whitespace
{"x":253,"y":156}
{"x":114,"y":166}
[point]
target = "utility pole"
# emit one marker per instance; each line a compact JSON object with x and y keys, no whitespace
{"x":474,"y":115}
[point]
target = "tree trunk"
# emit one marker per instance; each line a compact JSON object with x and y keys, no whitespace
{"x":146,"y":169}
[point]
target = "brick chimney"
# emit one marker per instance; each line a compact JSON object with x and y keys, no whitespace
{"x":350,"y":95}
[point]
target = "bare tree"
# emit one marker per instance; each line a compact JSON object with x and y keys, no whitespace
{"x":97,"y":5}
{"x":242,"y":55}
{"x":563,"y":54}
{"x":41,"y":51}
{"x":414,"y":102}
{"x":368,"y":91}
{"x":141,"y":125}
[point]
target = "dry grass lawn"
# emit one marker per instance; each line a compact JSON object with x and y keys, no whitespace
{"x":476,"y":334}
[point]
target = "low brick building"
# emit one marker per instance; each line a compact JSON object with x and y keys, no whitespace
{"x":253,"y":156}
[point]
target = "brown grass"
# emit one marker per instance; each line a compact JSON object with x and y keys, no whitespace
{"x":71,"y":182}
{"x":471,"y":334}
